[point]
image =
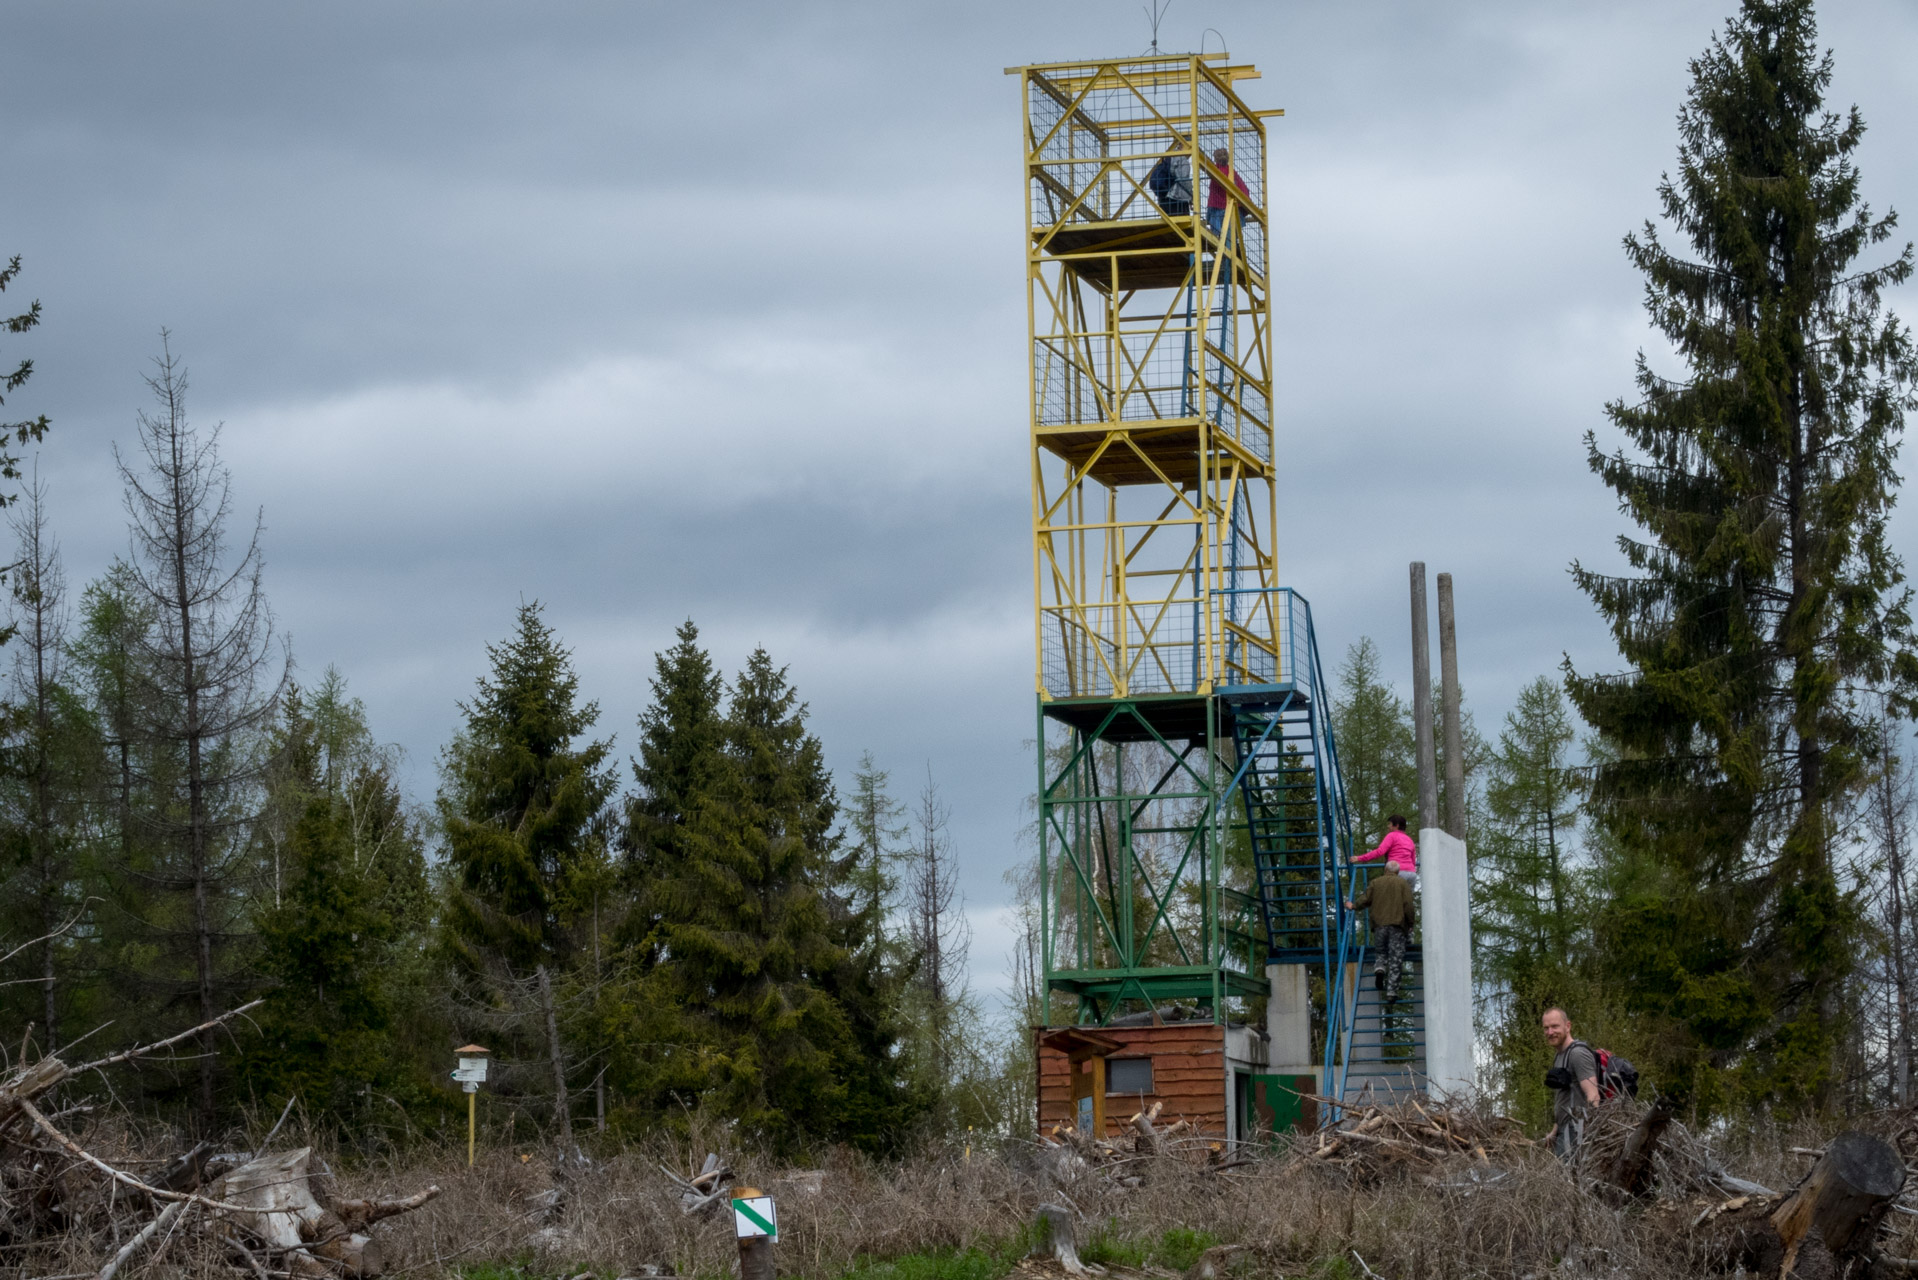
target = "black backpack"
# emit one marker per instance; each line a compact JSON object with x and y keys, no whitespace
{"x":1616,"y":1075}
{"x":1159,"y":181}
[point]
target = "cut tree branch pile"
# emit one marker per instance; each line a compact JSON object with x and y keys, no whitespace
{"x":264,"y":1214}
{"x":1826,"y":1226}
{"x":1633,"y":1159}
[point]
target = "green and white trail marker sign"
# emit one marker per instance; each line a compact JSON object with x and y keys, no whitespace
{"x":755,"y":1216}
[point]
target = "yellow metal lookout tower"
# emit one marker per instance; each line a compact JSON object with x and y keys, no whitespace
{"x":1194,"y":837}
{"x":1151,"y":378}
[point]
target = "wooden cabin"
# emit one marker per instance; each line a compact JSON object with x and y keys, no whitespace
{"x":1215,"y":1076}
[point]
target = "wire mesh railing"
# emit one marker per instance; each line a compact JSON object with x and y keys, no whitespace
{"x":1194,"y":357}
{"x":1142,"y":140}
{"x":1118,"y":650}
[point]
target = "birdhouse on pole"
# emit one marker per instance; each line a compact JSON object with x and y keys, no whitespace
{"x":471,"y":1072}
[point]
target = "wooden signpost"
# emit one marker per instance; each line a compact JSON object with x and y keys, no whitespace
{"x":756,"y":1224}
{"x":471,"y":1073}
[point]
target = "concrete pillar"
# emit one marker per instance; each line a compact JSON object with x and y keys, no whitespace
{"x":1449,"y":707}
{"x":1288,"y":1021}
{"x":1422,"y":704}
{"x":1445,"y":912}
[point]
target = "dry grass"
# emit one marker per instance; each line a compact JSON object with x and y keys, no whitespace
{"x":941,"y":1216}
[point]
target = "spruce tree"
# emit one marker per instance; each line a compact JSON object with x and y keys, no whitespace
{"x":1373,"y":728}
{"x":47,"y":775}
{"x":342,"y":926}
{"x":324,"y":944}
{"x":1528,"y":895}
{"x":682,"y":757}
{"x":25,"y":431}
{"x":119,"y":852}
{"x":786,"y":809}
{"x":1761,"y":592}
{"x":876,"y":830}
{"x":521,"y":801}
{"x":764,"y":1000}
{"x":1523,"y":892}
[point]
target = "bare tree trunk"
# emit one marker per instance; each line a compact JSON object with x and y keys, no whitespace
{"x":181,"y":553}
{"x":562,"y":1111}
{"x":39,"y":588}
{"x":1892,"y":800}
{"x":935,"y":927}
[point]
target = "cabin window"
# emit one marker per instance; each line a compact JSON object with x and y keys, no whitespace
{"x":1128,"y":1075}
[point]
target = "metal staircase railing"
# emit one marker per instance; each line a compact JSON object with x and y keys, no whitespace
{"x":1386,"y":1051}
{"x":1297,"y":819}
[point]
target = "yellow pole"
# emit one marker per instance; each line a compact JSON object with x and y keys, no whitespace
{"x":472,"y":1110}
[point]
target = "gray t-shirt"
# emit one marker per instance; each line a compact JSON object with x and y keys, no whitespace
{"x":1569,"y":1104}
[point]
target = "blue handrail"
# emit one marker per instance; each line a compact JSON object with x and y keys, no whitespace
{"x":1341,"y":932}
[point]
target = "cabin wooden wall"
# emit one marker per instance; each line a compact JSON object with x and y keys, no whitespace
{"x":1188,"y":1075}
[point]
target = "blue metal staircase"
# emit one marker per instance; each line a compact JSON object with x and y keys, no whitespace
{"x":1294,"y":848}
{"x":1385,"y":1054}
{"x":1300,"y":832}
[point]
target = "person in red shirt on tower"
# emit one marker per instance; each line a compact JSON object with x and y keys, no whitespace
{"x":1221,"y":195}
{"x":1398,"y":849}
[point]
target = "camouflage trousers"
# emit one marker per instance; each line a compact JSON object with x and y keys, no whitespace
{"x":1389,"y":946}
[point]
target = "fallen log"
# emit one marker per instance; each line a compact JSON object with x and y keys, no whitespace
{"x":186,"y":1171}
{"x":358,"y":1215}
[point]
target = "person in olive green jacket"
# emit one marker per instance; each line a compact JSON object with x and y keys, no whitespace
{"x":1389,"y":898}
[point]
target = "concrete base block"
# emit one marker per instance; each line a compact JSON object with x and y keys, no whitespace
{"x":1445,"y":911}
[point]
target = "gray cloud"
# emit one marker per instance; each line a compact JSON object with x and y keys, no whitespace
{"x":654,"y":311}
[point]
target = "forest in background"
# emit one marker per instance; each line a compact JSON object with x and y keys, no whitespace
{"x":1703,"y":854}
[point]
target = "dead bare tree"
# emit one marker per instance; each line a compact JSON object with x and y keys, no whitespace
{"x":1888,"y":820}
{"x":936,"y":927}
{"x":208,"y":655}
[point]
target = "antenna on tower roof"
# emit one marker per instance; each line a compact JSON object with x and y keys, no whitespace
{"x":1154,"y":14}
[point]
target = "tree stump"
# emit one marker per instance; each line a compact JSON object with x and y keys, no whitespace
{"x":307,"y":1237}
{"x":1059,"y":1242}
{"x":1631,"y":1172}
{"x":1841,"y":1200}
{"x":1151,"y":1141}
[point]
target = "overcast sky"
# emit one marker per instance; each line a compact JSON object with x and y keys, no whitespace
{"x":656,"y":311}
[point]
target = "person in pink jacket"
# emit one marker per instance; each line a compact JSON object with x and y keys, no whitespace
{"x":1398,"y":849}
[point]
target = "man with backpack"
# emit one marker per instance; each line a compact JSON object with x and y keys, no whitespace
{"x":1170,"y":183}
{"x":1573,"y":1080}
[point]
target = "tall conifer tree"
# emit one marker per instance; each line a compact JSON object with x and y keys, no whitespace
{"x":766,"y":999}
{"x":1523,"y":890}
{"x":51,"y":767}
{"x":520,"y":803}
{"x":1761,"y":591}
{"x":342,"y":926}
{"x":1374,"y":731}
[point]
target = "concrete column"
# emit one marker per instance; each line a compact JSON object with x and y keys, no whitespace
{"x":1445,"y":912}
{"x":1288,"y":1021}
{"x":1422,"y":704}
{"x":1449,"y":707}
